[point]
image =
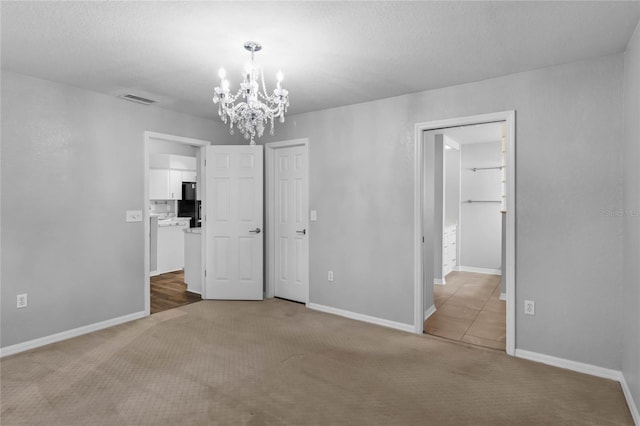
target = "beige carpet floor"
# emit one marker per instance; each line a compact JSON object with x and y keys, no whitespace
{"x":278,"y":363}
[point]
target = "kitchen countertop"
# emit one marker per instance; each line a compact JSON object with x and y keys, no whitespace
{"x":174,"y":221}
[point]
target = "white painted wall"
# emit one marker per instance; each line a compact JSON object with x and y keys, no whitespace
{"x":480,"y":223}
{"x":451,"y":186}
{"x":80,"y":154}
{"x":169,"y":147}
{"x":568,"y":256}
{"x":62,"y":143}
{"x":631,"y":219}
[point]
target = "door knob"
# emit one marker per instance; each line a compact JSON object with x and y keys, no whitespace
{"x":303,"y":232}
{"x":255,"y":231}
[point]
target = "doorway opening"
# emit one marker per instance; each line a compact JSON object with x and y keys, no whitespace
{"x":465,"y":230}
{"x":469,"y":206}
{"x":173,"y":192}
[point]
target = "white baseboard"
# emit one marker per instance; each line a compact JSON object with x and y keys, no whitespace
{"x":439,"y":281}
{"x":632,"y":405}
{"x":429,"y":312}
{"x":567,"y":364}
{"x":194,"y":292}
{"x":479,"y":270}
{"x":503,"y":296}
{"x":53,"y":338}
{"x":361,"y":317}
{"x":592,"y":370}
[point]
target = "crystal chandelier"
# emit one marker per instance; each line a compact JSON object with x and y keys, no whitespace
{"x":256,"y":108}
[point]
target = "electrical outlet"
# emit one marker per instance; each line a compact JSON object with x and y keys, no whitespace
{"x":330,"y":276}
{"x":21,"y":301}
{"x":529,"y":307}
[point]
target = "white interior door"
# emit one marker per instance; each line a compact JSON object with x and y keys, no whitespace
{"x":291,"y":234}
{"x":234,"y":222}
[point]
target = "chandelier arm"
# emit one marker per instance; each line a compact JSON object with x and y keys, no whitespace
{"x":269,"y":111}
{"x":270,"y":99}
{"x":264,"y":86}
{"x":275,"y":111}
{"x":240,"y":106}
{"x":231,"y":100}
{"x":234,"y":97}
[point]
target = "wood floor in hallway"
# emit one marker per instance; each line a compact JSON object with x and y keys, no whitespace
{"x":469,"y":309}
{"x":169,"y":291}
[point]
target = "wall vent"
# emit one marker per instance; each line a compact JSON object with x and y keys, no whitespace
{"x":138,"y":99}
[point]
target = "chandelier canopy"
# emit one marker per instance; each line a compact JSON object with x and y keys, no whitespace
{"x":256,"y":108}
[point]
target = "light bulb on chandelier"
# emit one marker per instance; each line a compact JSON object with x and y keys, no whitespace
{"x":257,"y":107}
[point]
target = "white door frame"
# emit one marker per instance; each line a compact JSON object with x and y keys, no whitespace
{"x":270,"y":267}
{"x":509,"y":117}
{"x":149,"y":137}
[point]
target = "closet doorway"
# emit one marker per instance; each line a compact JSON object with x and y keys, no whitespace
{"x":467,"y":230}
{"x":469,"y":199}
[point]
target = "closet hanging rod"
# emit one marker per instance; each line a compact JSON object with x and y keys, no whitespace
{"x":482,"y":201}
{"x":475,"y":169}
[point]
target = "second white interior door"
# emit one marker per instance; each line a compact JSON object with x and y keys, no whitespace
{"x":291,"y":223}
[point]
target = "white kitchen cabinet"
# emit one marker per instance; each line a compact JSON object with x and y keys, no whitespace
{"x":165,"y":184}
{"x":175,"y":185}
{"x":171,"y":247}
{"x":166,"y":174}
{"x":449,"y":249}
{"x":159,"y":184}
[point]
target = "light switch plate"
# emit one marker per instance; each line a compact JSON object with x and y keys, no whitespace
{"x":314,"y":215}
{"x":134,"y":216}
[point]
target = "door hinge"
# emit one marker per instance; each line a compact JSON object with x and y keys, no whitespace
{"x":423,"y":238}
{"x":205,"y":272}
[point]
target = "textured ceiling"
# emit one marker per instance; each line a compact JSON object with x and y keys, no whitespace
{"x":332,"y":53}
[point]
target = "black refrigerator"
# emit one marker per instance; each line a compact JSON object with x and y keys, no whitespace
{"x":189,"y":206}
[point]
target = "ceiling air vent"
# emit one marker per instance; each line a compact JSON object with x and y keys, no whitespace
{"x":138,"y":99}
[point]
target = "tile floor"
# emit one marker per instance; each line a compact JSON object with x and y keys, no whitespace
{"x":469,"y":309}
